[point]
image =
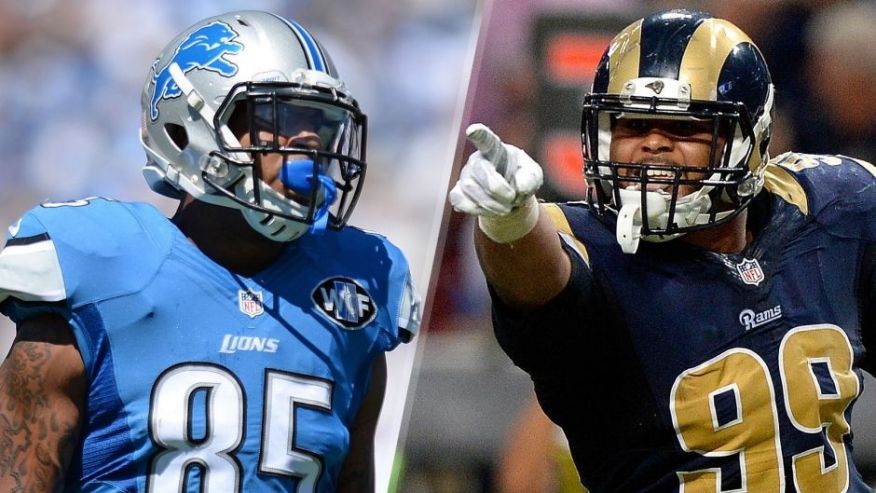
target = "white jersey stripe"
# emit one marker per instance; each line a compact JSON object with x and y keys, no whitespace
{"x":31,"y":272}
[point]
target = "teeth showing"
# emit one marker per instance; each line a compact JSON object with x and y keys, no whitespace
{"x":654,"y":173}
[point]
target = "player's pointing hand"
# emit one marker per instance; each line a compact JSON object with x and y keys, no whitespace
{"x":498,"y":181}
{"x":497,"y":178}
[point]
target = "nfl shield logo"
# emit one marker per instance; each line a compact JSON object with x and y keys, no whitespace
{"x":250,"y":303}
{"x":750,"y":271}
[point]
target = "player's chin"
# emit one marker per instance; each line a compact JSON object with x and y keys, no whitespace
{"x":297,"y":197}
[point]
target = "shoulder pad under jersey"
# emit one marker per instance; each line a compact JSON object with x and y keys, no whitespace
{"x":838,"y":192}
{"x":82,"y":251}
{"x":370,"y":255}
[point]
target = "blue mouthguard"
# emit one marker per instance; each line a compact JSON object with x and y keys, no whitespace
{"x":298,"y":176}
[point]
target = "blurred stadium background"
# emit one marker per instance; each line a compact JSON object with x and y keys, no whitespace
{"x":72,"y":72}
{"x":536,"y":59}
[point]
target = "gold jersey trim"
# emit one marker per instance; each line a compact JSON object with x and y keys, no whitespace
{"x":564,"y":229}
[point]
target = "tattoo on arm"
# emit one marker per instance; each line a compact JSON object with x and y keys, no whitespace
{"x":42,"y":389}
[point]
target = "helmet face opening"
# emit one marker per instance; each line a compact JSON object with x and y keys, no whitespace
{"x":730,"y":139}
{"x":317,"y":138}
{"x":246,"y":110}
{"x":695,"y":78}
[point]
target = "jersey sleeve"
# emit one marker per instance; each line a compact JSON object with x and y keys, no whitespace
{"x":403,"y":301}
{"x":66,"y":258}
{"x":541,"y":340}
{"x":837,"y":192}
{"x":31,"y":279}
{"x":868,"y":309}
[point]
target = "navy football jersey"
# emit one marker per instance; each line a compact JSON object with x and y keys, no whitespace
{"x":680,"y":369}
{"x":201,"y":379}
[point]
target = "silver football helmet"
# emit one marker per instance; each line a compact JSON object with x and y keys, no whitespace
{"x":233,"y":91}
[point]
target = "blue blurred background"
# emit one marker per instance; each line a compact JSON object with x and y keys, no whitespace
{"x":71,"y":72}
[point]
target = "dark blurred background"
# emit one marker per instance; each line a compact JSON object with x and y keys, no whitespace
{"x":472,"y":415}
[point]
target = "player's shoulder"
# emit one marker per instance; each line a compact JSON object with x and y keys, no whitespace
{"x":85,"y":218}
{"x":579,"y":227}
{"x":354,"y":257}
{"x":836,"y":192}
{"x":83,"y":249}
{"x":361,"y":245}
{"x":812,"y":182}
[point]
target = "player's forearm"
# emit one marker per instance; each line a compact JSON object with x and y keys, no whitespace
{"x":37,"y":433}
{"x":357,"y":479}
{"x":528,"y":272}
{"x":42,"y":389}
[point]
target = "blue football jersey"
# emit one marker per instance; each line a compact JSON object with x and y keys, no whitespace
{"x":201,"y":379}
{"x":679,"y":369}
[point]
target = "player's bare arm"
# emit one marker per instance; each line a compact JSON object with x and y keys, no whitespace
{"x":357,"y":474}
{"x":517,"y":244}
{"x":42,"y":393}
{"x":529,"y":272}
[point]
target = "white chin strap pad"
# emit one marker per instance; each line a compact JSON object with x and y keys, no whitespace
{"x":270,"y":226}
{"x":629,"y":227}
{"x":690,"y":210}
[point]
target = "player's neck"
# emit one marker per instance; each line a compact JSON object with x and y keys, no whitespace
{"x":730,"y":237}
{"x":222,"y":234}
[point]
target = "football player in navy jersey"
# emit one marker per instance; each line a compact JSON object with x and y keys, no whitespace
{"x":699,"y":322}
{"x":238,"y":346}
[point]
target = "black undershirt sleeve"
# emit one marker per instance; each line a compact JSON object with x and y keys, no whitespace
{"x":537,"y":340}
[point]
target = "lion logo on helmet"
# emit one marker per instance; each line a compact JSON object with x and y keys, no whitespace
{"x":203,"y":49}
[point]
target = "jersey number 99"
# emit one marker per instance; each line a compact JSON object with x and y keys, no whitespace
{"x":818,"y":383}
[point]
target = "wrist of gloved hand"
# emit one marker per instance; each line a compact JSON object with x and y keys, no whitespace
{"x":512,"y":226}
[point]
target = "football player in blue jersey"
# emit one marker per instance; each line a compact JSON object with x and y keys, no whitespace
{"x":699,"y":322}
{"x":238,"y":346}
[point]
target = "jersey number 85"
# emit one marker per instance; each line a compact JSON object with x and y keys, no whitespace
{"x":170,"y":427}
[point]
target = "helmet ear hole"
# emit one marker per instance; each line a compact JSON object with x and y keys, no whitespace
{"x":177,"y":135}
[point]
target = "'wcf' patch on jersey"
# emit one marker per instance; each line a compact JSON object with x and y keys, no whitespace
{"x":345,"y":302}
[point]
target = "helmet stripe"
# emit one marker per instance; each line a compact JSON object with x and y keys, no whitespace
{"x":314,"y":55}
{"x":713,"y":40}
{"x":666,"y":45}
{"x":624,"y":52}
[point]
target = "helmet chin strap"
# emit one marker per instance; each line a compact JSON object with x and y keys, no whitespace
{"x":690,"y":210}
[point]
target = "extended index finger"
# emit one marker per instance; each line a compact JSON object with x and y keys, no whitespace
{"x":489,"y":144}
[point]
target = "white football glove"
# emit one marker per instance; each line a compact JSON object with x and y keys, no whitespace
{"x":498,"y":184}
{"x":496,"y":178}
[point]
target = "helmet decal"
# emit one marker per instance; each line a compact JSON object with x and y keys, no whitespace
{"x":623,"y":61}
{"x":315,"y":59}
{"x":203,"y":49}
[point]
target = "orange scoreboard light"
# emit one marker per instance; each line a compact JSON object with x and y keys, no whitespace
{"x":572,"y":58}
{"x":567,"y":49}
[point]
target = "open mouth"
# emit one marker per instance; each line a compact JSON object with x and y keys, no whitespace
{"x":661,"y":178}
